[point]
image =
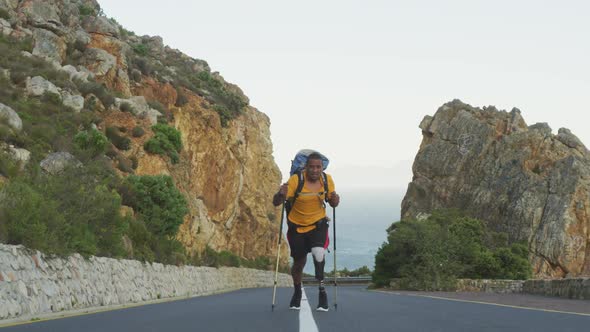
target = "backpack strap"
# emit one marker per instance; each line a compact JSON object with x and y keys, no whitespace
{"x":291,"y":202}
{"x":325,"y":178}
{"x":300,"y":183}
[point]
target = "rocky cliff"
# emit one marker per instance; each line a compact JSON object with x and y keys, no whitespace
{"x":225,"y":168}
{"x":519,"y":179}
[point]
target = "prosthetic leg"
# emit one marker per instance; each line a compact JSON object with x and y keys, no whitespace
{"x":319,"y":262}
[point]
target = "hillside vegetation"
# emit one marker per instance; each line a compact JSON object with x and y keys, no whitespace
{"x":431,"y":254}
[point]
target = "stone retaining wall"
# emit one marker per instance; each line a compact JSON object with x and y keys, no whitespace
{"x":33,"y":284}
{"x":575,"y":288}
{"x":578,"y":288}
{"x":489,"y":285}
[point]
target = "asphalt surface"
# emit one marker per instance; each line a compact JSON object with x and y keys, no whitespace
{"x":358,"y":310}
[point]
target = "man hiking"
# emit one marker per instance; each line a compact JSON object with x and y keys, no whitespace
{"x":307,"y":223}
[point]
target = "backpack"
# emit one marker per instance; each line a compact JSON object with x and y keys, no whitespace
{"x":298,"y":163}
{"x":297,"y":167}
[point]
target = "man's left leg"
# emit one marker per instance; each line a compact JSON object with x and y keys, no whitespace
{"x":319,"y":262}
{"x":318,"y":251}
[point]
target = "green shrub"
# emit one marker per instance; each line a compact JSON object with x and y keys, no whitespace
{"x":30,"y":219}
{"x":135,"y":75}
{"x":431,"y":254}
{"x":141,"y":49}
{"x":159,"y":202}
{"x":134,"y":162}
{"x":124,"y":164}
{"x":142,"y":65}
{"x":8,"y":167}
{"x":225,"y":114}
{"x":152,"y":247}
{"x":137,"y":131}
{"x":513,"y":261}
{"x":259,"y":263}
{"x":50,"y":97}
{"x":7,"y":134}
{"x":13,"y":47}
{"x":142,"y":240}
{"x":97,"y":89}
{"x":181,"y":100}
{"x":74,"y":211}
{"x":157,"y":106}
{"x":118,"y":140}
{"x":126,"y":107}
{"x":92,"y":141}
{"x":126,"y":33}
{"x":91,"y":103}
{"x":86,"y":10}
{"x":4,"y":14}
{"x":167,"y":141}
{"x":162,"y":120}
{"x":213,"y":258}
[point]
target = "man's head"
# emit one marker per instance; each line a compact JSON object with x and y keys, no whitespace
{"x":314,"y":166}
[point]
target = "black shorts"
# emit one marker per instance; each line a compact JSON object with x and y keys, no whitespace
{"x":301,"y":243}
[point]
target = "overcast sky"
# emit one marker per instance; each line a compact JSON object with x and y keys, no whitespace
{"x":354,"y":79}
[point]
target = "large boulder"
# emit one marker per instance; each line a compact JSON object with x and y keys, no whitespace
{"x":5,"y":27}
{"x":42,"y":14}
{"x":524,"y":181}
{"x":56,"y":162}
{"x":19,"y":155}
{"x":99,"y":61}
{"x":38,"y":86}
{"x":100,"y":25}
{"x":75,"y":74}
{"x":9,"y":4}
{"x":75,"y":102}
{"x":49,"y":46}
{"x":155,"y":46}
{"x":11,"y":118}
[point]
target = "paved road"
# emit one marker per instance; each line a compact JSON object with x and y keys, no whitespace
{"x":358,"y":310}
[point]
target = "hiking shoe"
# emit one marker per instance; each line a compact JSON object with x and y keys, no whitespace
{"x":323,"y":301}
{"x":296,"y":300}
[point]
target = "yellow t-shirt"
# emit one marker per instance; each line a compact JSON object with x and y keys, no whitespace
{"x":310,"y":205}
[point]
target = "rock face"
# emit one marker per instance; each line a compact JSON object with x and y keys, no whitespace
{"x":229,"y":177}
{"x":227,"y":174}
{"x":520,"y":179}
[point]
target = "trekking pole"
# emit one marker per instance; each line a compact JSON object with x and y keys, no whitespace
{"x":274,"y":291}
{"x":335,"y":278}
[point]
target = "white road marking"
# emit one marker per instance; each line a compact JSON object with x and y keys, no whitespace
{"x":306,"y":321}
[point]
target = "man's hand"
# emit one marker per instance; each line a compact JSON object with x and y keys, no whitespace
{"x":283,"y":190}
{"x":334,"y":199}
{"x":281,"y":195}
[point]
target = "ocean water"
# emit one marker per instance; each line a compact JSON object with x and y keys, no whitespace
{"x":361,"y":221}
